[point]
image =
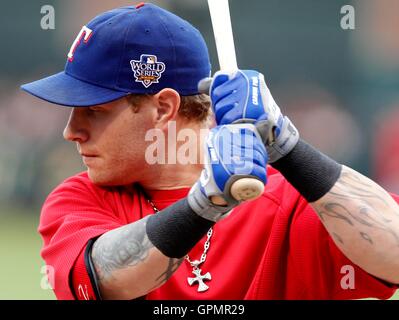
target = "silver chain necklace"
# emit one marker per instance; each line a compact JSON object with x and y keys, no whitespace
{"x":196,"y":263}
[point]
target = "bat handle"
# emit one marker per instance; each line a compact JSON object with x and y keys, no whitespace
{"x":242,"y":190}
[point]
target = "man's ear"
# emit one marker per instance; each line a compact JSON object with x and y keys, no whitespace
{"x":167,"y":107}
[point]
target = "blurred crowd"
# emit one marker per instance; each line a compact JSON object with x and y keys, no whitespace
{"x":340,"y":87}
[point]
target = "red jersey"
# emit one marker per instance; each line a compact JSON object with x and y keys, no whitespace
{"x":274,"y":247}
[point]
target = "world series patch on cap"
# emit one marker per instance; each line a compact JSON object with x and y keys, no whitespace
{"x":130,"y":50}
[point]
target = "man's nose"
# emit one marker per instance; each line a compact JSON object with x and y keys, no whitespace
{"x":77,"y":127}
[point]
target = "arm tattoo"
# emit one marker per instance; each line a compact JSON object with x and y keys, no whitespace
{"x":361,"y":204}
{"x":173,"y":265}
{"x":121,"y":248}
{"x":337,"y":237}
{"x":366,"y":237}
{"x":359,"y":189}
{"x":333,"y":210}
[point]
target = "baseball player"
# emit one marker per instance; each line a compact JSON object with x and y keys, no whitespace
{"x":127,"y":229}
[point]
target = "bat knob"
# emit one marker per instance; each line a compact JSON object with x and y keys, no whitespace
{"x":242,"y":190}
{"x":247,"y":189}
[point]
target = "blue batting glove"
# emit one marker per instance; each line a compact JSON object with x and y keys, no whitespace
{"x":244,"y":97}
{"x":231,"y":152}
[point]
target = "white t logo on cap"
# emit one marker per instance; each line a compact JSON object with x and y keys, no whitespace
{"x":85,"y":33}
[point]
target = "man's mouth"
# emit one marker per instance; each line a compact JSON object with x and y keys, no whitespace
{"x":88,"y":155}
{"x":88,"y":158}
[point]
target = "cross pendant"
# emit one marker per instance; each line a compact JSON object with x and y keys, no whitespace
{"x":200,"y":279}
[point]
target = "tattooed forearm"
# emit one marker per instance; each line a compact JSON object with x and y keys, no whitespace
{"x":359,"y":189}
{"x":128,"y":265}
{"x":173,"y":265}
{"x":366,"y":237}
{"x":365,"y":216}
{"x":363,"y":220}
{"x":334,"y":210}
{"x":359,"y":203}
{"x":338,"y":238}
{"x":120,"y":248}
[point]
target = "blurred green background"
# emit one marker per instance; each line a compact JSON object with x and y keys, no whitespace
{"x":340,"y":87}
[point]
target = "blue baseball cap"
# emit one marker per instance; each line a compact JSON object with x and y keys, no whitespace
{"x":130,"y":50}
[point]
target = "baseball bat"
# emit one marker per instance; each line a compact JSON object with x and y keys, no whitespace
{"x":244,"y":188}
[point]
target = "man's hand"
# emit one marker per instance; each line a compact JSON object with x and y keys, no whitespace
{"x":232,"y":152}
{"x":244,"y":97}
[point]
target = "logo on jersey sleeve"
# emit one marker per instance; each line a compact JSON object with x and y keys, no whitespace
{"x":148,"y":69}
